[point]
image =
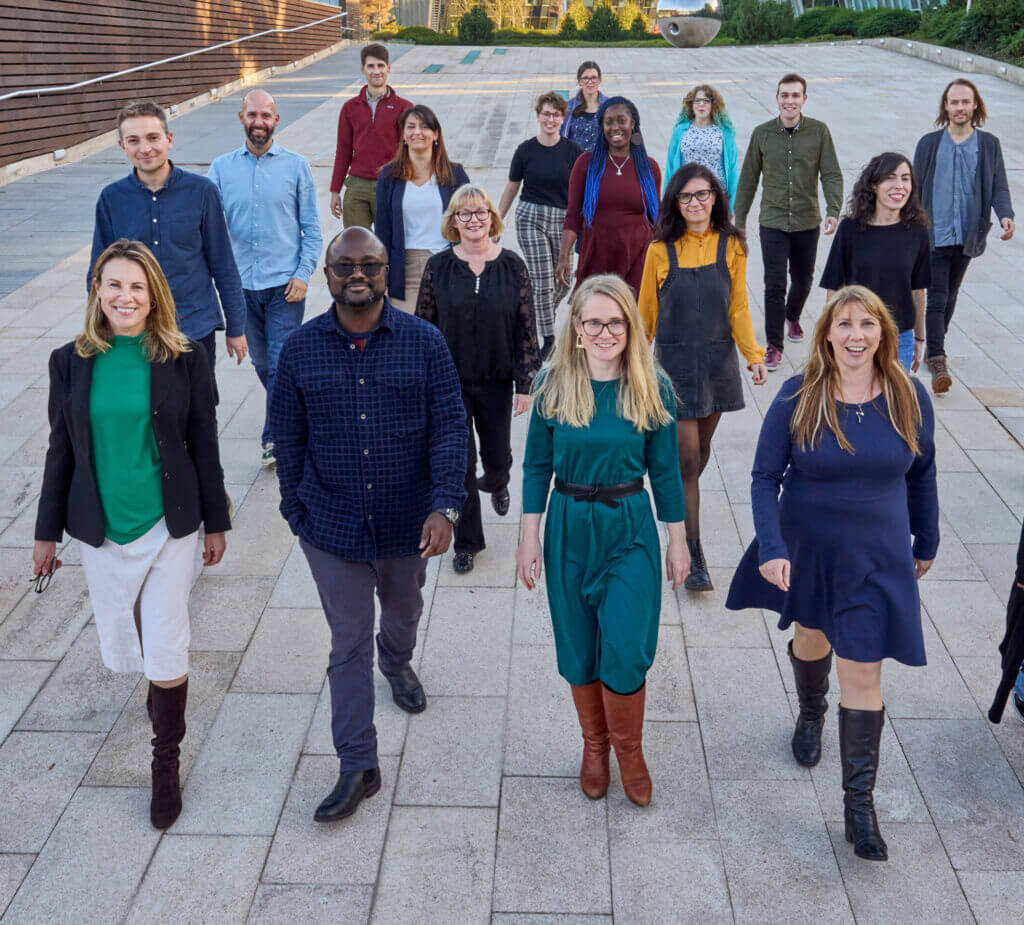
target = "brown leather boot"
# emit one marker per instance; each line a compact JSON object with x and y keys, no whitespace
{"x":941,"y":379}
{"x":625,"y":717}
{"x":594,"y":768}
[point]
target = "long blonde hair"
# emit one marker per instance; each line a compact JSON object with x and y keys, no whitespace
{"x":162,"y":340}
{"x":816,"y":398}
{"x":563,"y":389}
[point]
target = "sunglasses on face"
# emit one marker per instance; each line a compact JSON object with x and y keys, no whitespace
{"x":702,"y":195}
{"x":345,"y":268}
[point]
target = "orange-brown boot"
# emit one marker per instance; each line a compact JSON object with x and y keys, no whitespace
{"x":625,"y":717}
{"x":594,"y":768}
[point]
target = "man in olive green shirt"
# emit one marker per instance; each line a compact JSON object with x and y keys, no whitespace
{"x":790,"y":153}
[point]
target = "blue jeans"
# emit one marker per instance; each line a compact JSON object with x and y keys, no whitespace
{"x":905,"y":348}
{"x":269,"y":319}
{"x":1018,"y":688}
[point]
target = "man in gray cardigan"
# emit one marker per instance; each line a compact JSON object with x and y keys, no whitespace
{"x":961,"y":179}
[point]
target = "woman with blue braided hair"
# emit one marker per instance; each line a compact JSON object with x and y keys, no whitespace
{"x":613,"y":200}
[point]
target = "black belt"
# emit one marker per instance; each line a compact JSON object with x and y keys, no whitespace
{"x":602,"y":494}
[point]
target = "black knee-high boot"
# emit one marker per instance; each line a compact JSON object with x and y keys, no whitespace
{"x":168,"y":715}
{"x":860,"y":732}
{"x":811,"y":687}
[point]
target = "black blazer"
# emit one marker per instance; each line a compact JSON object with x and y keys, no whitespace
{"x":185,"y":427}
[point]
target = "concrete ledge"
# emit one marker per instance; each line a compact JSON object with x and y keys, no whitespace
{"x":968,"y":62}
{"x":83,"y":149}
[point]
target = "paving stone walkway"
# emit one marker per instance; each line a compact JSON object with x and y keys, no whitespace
{"x":480,"y":817}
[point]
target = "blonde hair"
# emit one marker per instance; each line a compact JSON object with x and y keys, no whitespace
{"x":162,"y":340}
{"x":563,"y":389}
{"x":816,"y":398}
{"x":459,"y":198}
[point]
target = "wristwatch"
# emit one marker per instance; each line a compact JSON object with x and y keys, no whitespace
{"x":449,"y":514}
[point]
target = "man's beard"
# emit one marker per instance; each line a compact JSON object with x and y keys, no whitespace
{"x":259,"y":142}
{"x":361,"y":303}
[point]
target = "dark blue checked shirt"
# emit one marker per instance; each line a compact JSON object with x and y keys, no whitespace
{"x":368,"y":441}
{"x":183,"y":224}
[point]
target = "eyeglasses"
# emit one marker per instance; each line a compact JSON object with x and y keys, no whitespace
{"x":702,"y":195}
{"x":544,"y":114}
{"x":345,"y":268}
{"x":702,"y":99}
{"x":467,"y":215}
{"x":42,"y":581}
{"x":593,"y":328}
{"x":589,"y":80}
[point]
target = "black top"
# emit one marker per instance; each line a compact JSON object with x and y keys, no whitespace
{"x":544,"y":171}
{"x":487,"y":319}
{"x":185,"y":427}
{"x":891,"y":260}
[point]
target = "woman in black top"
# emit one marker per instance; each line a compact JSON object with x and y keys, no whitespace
{"x":882,"y":243}
{"x":479,"y":295}
{"x":541,"y":165}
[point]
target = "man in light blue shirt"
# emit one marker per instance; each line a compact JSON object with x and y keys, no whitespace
{"x":270,"y":203}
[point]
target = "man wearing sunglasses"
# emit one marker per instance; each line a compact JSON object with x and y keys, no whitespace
{"x":370,"y":438}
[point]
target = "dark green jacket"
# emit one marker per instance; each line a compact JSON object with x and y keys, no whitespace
{"x":790,"y":165}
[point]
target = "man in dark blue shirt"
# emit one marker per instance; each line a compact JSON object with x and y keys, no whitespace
{"x":370,"y":438}
{"x":178,"y":215}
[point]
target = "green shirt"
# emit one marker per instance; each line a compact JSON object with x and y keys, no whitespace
{"x":124,"y":452}
{"x":790,"y":163}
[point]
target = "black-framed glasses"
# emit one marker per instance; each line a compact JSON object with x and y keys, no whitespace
{"x":467,"y":215}
{"x":589,"y":80}
{"x":42,"y":581}
{"x":345,"y":268}
{"x":593,"y":328}
{"x":701,"y":195}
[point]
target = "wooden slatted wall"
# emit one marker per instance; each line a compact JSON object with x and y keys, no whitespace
{"x":51,"y":42}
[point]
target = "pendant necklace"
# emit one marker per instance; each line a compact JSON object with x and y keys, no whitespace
{"x":618,"y":167}
{"x":860,"y":410}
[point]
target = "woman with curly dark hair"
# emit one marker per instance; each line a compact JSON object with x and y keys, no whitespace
{"x":882,"y":243}
{"x":693,"y":302}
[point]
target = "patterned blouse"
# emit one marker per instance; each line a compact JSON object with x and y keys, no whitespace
{"x":703,"y":146}
{"x":584,"y":130}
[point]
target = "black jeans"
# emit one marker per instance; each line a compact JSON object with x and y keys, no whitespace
{"x":489,"y":408}
{"x":210,"y":345}
{"x":794,"y":251}
{"x":948,"y":268}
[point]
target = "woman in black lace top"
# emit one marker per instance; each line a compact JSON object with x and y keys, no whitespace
{"x":479,"y":295}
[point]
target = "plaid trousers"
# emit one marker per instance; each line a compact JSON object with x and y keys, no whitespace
{"x":539,"y":229}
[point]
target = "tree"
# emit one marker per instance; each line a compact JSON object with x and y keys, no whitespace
{"x":627,"y":13}
{"x":603,"y":26}
{"x":476,"y":27}
{"x":377,"y":14}
{"x":579,"y":13}
{"x":567,"y":28}
{"x":639,"y":28}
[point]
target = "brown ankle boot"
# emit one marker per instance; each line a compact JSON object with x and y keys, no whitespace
{"x":590,"y":709}
{"x":168,"y":730}
{"x":941,"y":379}
{"x":625,"y":717}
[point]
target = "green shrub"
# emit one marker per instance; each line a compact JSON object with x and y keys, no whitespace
{"x":579,"y":13}
{"x":567,"y":28}
{"x":638,"y":28}
{"x":384,"y":35}
{"x":604,"y":25}
{"x":827,"y":20}
{"x":720,"y":40}
{"x":763,"y":21}
{"x":878,"y":23}
{"x":475,"y":27}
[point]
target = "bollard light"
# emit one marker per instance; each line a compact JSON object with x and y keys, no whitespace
{"x":60,"y":154}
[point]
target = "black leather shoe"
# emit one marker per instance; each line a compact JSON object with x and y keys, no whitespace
{"x":463,"y":562}
{"x":500,"y":501}
{"x":351,"y":789}
{"x":407,"y":691}
{"x":698,"y":579}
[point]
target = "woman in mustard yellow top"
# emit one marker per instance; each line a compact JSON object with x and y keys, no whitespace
{"x":693,"y":301}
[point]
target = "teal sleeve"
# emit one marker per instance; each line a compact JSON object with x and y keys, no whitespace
{"x":662,"y":453}
{"x":538,"y":461}
{"x":672,"y":156}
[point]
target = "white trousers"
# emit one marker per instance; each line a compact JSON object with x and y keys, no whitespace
{"x":157,"y":570}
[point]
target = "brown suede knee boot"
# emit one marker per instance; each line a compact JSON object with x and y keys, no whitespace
{"x":594,"y":772}
{"x":625,"y":716}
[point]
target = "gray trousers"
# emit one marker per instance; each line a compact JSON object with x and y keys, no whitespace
{"x":346,"y":592}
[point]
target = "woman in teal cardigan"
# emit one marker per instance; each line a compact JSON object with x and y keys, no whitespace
{"x":704,"y":134}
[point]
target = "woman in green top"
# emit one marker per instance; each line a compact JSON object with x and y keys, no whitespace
{"x":603,"y":417}
{"x":131,"y":471}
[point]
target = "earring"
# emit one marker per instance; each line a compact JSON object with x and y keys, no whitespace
{"x":579,"y":341}
{"x":636,"y":139}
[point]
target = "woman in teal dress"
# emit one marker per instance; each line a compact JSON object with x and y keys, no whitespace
{"x":603,"y":417}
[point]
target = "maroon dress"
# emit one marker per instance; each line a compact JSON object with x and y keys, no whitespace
{"x":617,"y":241}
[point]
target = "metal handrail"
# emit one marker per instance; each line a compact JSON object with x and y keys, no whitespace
{"x":36,"y":91}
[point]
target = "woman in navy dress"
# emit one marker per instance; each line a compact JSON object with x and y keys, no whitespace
{"x":838,"y":555}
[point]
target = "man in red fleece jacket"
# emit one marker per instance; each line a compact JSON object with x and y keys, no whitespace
{"x":368,"y":138}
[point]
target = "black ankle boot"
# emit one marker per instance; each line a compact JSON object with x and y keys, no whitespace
{"x":860,"y":731}
{"x":698,"y":579}
{"x":811,"y":688}
{"x":168,"y":714}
